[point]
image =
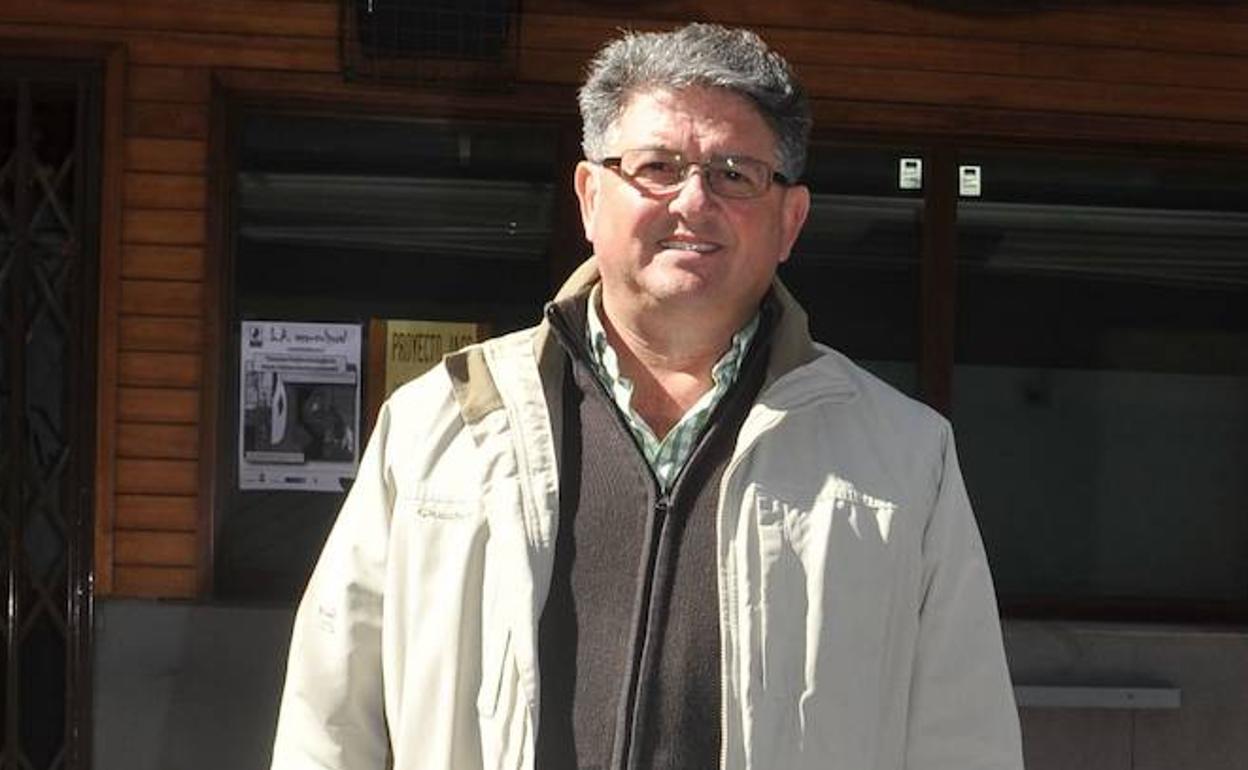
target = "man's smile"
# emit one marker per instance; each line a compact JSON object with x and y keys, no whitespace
{"x":701,"y":247}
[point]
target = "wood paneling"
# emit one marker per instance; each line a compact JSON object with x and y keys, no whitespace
{"x":141,"y":547}
{"x":166,"y":155}
{"x":163,"y":298}
{"x":330,"y":90}
{"x":160,"y":405}
{"x":157,"y":442}
{"x":107,"y":400}
{"x":186,"y":49}
{"x":170,"y":334}
{"x":147,"y":369}
{"x":1110,"y":25}
{"x":1024,"y":94}
{"x":184,"y":263}
{"x":164,"y":226}
{"x":156,"y":512}
{"x":873,"y":84}
{"x":1031,"y":57}
{"x":279,"y":53}
{"x":156,"y":582}
{"x":979,"y":123}
{"x":167,"y":119}
{"x":224,"y":25}
{"x":157,"y":477}
{"x":230,"y":16}
{"x":165,"y":191}
{"x":170,"y":84}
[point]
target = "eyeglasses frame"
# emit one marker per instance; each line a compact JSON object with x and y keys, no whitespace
{"x":615,"y":163}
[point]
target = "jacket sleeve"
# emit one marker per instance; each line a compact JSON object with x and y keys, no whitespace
{"x":332,"y":714}
{"x":962,"y":712}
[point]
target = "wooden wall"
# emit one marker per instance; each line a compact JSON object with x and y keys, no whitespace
{"x":1164,"y":75}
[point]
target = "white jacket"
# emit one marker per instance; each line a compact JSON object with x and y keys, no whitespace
{"x":858,"y":623}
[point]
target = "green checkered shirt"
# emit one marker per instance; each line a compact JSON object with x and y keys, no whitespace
{"x":666,"y":456}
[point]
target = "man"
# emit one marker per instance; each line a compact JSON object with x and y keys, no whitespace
{"x":663,"y":529}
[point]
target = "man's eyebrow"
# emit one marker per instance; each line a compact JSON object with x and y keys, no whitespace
{"x":710,"y":156}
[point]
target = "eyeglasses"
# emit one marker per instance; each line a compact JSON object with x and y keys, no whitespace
{"x":662,"y":172}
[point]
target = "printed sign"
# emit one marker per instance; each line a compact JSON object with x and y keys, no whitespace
{"x":415,"y":347}
{"x":299,"y":405}
{"x":910,"y":174}
{"x":970,"y":181}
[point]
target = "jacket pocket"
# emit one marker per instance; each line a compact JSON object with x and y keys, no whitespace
{"x":494,"y":657}
{"x":827,"y":584}
{"x":504,"y":716}
{"x":504,"y":710}
{"x":826,"y":588}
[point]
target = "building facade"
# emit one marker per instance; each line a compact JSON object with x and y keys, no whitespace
{"x":1034,"y":217}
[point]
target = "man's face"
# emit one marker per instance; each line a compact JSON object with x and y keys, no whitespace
{"x":712,"y":254}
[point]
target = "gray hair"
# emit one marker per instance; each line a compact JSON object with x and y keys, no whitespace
{"x":706,"y":55}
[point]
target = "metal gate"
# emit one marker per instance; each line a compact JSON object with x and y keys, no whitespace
{"x":49,"y":131}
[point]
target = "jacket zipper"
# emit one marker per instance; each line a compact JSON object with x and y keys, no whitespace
{"x":662,"y":507}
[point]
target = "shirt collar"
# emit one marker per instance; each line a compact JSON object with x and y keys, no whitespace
{"x":607,"y":363}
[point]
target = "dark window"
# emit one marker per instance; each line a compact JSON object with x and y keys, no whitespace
{"x":345,"y":219}
{"x":1101,"y":380}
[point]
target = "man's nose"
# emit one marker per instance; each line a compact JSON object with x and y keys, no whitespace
{"x":694,"y":193}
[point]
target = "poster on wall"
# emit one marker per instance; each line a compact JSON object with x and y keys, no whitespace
{"x":414,"y":347}
{"x":299,"y":406}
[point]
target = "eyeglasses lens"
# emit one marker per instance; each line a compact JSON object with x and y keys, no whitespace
{"x":661,"y":172}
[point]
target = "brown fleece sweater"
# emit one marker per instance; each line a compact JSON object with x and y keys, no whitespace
{"x":629,"y":643}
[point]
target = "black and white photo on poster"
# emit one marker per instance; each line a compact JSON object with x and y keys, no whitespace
{"x":299,"y":405}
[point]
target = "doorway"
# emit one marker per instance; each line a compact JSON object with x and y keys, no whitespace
{"x":49,"y":183}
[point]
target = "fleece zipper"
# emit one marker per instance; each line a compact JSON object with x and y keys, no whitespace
{"x":626,"y":716}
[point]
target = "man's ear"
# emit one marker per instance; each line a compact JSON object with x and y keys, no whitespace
{"x":796,"y":206}
{"x":585,"y":183}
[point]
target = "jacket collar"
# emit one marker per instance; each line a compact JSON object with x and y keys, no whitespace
{"x":791,"y":344}
{"x":791,"y":348}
